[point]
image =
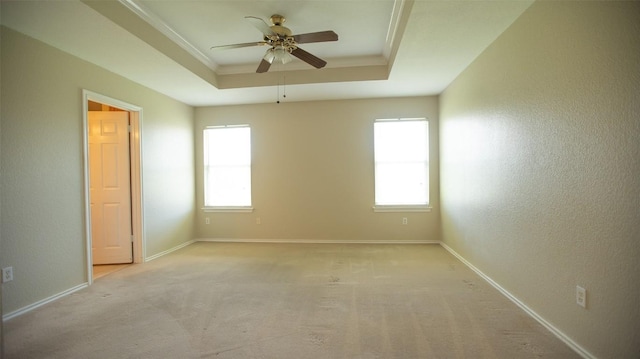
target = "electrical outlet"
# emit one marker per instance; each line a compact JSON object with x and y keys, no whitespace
{"x":581,"y":296}
{"x":206,"y":220}
{"x":258,"y":221}
{"x":404,"y":220}
{"x":7,"y":274}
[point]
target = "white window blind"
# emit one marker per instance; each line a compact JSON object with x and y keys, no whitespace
{"x":227,"y":166}
{"x":401,"y":150}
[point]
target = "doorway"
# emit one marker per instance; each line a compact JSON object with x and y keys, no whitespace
{"x":113,"y":186}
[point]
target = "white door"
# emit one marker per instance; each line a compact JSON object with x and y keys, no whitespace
{"x":110,"y":187}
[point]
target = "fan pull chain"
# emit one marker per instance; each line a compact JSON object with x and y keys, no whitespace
{"x":284,"y":86}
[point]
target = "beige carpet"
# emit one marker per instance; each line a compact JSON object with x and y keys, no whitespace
{"x":102,"y":270}
{"x":213,"y":300}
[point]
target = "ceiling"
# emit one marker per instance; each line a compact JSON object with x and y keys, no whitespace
{"x":386,"y":48}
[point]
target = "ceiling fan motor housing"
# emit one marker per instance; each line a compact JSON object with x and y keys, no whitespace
{"x":277,"y":21}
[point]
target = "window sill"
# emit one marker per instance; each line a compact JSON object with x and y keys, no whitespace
{"x":229,"y":209}
{"x":402,"y":208}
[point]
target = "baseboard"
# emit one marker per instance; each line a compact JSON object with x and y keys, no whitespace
{"x":42,"y":302}
{"x":557,"y":332}
{"x":163,"y":253}
{"x":55,"y":297}
{"x":313,"y":241}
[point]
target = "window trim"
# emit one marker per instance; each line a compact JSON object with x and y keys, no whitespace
{"x":382,"y":208}
{"x":226,"y":209}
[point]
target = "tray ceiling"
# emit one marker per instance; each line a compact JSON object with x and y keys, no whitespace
{"x":386,"y":48}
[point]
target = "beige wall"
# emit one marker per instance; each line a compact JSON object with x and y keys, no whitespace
{"x":540,"y":168}
{"x":43,"y":235}
{"x":313,"y":172}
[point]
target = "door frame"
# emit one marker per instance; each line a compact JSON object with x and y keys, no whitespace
{"x":135,"y":154}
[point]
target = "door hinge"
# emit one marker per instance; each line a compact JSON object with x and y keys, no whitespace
{"x":132,"y":238}
{"x":129,"y":127}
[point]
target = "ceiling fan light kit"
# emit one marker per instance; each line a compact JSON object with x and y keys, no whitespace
{"x":283,"y":43}
{"x":279,"y":54}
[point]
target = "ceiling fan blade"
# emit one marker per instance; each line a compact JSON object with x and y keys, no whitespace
{"x":237,"y":46}
{"x":309,"y":58}
{"x":321,"y":36}
{"x":264,"y":66}
{"x":261,"y":25}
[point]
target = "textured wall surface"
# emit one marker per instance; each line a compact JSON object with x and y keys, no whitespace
{"x":42,"y":167}
{"x":313,"y":172}
{"x":540,"y":168}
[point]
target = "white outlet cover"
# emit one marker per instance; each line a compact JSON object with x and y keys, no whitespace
{"x":7,"y":274}
{"x":581,"y":296}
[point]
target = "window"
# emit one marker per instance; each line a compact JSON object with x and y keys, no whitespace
{"x":227,"y":167}
{"x":401,"y":151}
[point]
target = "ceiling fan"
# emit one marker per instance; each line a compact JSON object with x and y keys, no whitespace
{"x":283,"y":43}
